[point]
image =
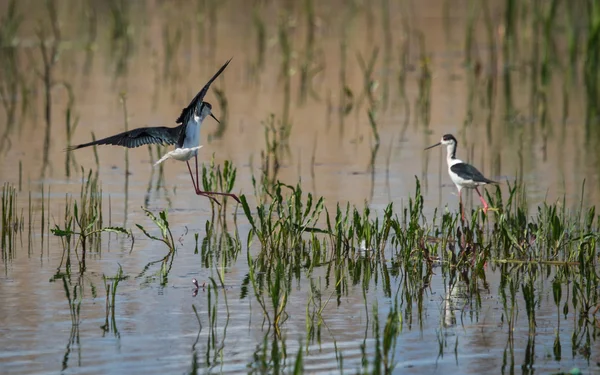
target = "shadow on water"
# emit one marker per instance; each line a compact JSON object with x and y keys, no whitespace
{"x":337,"y":258}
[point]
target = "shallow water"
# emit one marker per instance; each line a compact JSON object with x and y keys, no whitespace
{"x":155,"y":329}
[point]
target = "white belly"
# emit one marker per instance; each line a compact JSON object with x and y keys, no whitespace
{"x":460,"y":183}
{"x":181,"y":154}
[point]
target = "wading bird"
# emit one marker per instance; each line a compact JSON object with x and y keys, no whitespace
{"x":186,"y":136}
{"x":462,"y":174}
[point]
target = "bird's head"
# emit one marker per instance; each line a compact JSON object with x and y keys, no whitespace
{"x":447,"y":139}
{"x":206,"y":110}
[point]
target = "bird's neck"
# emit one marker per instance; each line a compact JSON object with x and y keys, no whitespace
{"x":198,"y":118}
{"x":451,"y":149}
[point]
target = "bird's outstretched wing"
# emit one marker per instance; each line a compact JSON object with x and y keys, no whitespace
{"x":189,"y":110}
{"x":137,"y":137}
{"x":469,"y":172}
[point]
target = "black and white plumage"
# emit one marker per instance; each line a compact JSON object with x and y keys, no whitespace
{"x":462,"y":174}
{"x":186,"y":136}
{"x":190,"y":119}
{"x":161,"y":135}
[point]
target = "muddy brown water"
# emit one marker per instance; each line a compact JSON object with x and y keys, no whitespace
{"x":155,"y":326}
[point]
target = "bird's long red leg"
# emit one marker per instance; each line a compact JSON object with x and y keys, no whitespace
{"x":192,"y":176}
{"x":462,"y":209}
{"x":197,"y":182}
{"x":210,"y":193}
{"x":198,"y":191}
{"x":485,"y":204}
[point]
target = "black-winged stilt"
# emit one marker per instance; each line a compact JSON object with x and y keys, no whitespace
{"x":462,"y":174}
{"x":186,"y":136}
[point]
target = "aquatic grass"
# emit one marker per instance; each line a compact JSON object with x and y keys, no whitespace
{"x":285,"y":44}
{"x":387,"y":50}
{"x":214,"y":348}
{"x":284,"y":221}
{"x":374,"y":148}
{"x":91,"y":23}
{"x":216,"y":179}
{"x":219,"y":248}
{"x":162,"y":223}
{"x":369,"y":83}
{"x":276,"y":143}
{"x":123,"y":99}
{"x":71,"y":125}
{"x":121,"y":35}
{"x":50,"y":56}
{"x":12,"y":223}
{"x":224,"y":116}
{"x":111,"y":296}
{"x":261,"y":39}
{"x":166,"y":238}
{"x":590,"y":73}
{"x":423,"y":104}
{"x":308,"y":67}
{"x":83,"y":223}
{"x":74,"y":293}
{"x":171,"y":46}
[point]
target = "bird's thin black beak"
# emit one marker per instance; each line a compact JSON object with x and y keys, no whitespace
{"x":437,"y":144}
{"x":216,"y":119}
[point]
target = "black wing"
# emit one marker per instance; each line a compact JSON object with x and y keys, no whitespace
{"x":137,"y":137}
{"x":187,"y":111}
{"x":469,"y":172}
